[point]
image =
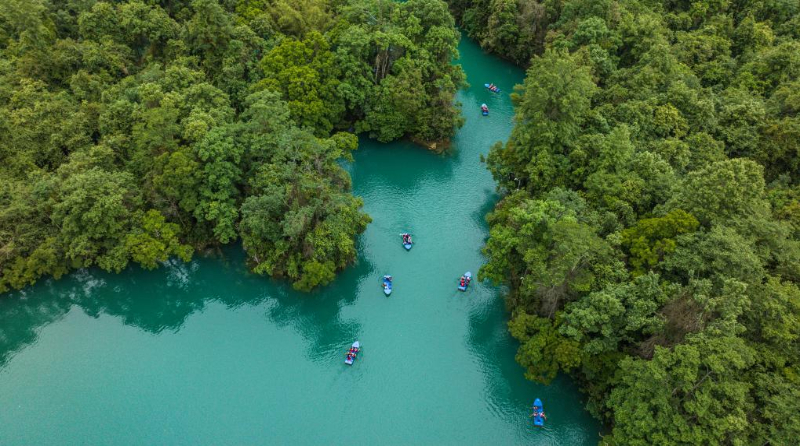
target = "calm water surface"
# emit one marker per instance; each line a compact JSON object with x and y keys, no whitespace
{"x":206,"y":353}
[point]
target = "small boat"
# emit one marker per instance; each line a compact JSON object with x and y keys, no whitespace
{"x":351,"y":355}
{"x":387,"y":285}
{"x":492,"y":88}
{"x":406,"y":241}
{"x":538,"y":413}
{"x":484,"y":110}
{"x":467,"y":279}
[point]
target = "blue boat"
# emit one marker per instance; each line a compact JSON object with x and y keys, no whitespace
{"x":462,"y":285}
{"x":492,"y":88}
{"x":538,"y":413}
{"x":407,"y":242}
{"x":484,"y":110}
{"x":387,"y":285}
{"x":352,"y":354}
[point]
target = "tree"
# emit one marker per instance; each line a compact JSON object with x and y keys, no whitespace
{"x":305,"y":74}
{"x":552,"y":106}
{"x":690,"y":395}
{"x":653,"y":238}
{"x":543,"y":350}
{"x":299,"y":222}
{"x":393,"y":108}
{"x":732,"y":188}
{"x":209,"y":32}
{"x":218,"y":191}
{"x":546,"y":252}
{"x":93,"y":210}
{"x":155,"y":241}
{"x":617,"y":316}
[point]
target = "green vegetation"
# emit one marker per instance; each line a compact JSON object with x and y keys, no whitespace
{"x":139,"y":130}
{"x":649,"y":229}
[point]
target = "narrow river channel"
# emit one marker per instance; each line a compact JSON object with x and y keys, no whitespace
{"x":206,"y":353}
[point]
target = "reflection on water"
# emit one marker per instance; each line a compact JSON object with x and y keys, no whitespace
{"x":162,"y":300}
{"x":409,"y":170}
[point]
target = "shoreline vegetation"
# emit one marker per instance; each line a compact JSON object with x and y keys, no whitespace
{"x":649,"y":225}
{"x":134,"y":131}
{"x":649,"y":221}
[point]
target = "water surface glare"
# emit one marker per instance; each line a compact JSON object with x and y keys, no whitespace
{"x":207,"y":354}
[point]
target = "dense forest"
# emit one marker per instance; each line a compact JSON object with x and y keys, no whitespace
{"x":132,"y":131}
{"x":649,"y":228}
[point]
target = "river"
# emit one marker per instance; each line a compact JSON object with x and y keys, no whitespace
{"x":206,"y":353}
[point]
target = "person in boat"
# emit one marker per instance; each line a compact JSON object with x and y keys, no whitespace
{"x":463,"y":281}
{"x":408,"y":238}
{"x":349,"y":356}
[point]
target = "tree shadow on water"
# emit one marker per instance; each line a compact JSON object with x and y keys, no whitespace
{"x":494,"y":349}
{"x":161,"y":301}
{"x":509,"y":393}
{"x":399,"y":165}
{"x":23,"y":313}
{"x":490,"y":199}
{"x":317,"y":315}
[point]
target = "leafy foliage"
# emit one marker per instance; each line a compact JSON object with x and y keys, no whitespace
{"x":652,"y":238}
{"x":649,"y":229}
{"x":140,"y":130}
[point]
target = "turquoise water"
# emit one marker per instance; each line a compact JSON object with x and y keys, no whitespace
{"x":206,"y":353}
